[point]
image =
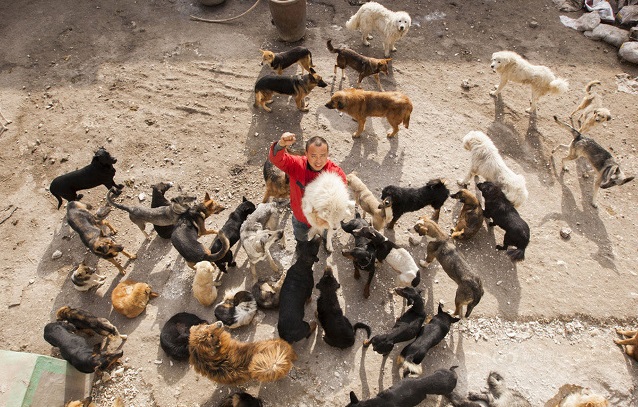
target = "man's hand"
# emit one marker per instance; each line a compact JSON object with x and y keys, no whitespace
{"x":287,"y":139}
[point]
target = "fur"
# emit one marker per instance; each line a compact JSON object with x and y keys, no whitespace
{"x":629,"y":341}
{"x":158,"y":199}
{"x":512,"y":67}
{"x":298,"y":86}
{"x":403,"y":200}
{"x":282,"y":60}
{"x":205,"y":283}
{"x":231,"y":230}
{"x":277,"y":181}
{"x":591,"y":110}
{"x":363,"y":255}
{"x":267,"y":293}
{"x":325,"y":203}
{"x":368,"y":202}
{"x":499,"y":395}
{"x":214,"y":354}
{"x":257,"y":235}
{"x":361,"y":104}
{"x":570,"y":395}
{"x":488,"y":163}
{"x":390,"y":25}
{"x":237,"y":309}
{"x":337,"y":329}
{"x":129,"y":297}
{"x":84,"y":278}
{"x":365,"y":66}
{"x":470,"y":219}
{"x":175,"y":334}
{"x":241,"y":399}
{"x":88,"y":323}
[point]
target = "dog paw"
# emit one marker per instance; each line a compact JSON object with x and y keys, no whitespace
{"x":424,"y":263}
{"x":133,"y":257}
{"x":493,"y":93}
{"x":461,"y":183}
{"x":594,"y":204}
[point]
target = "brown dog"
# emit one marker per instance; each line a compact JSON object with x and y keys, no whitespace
{"x":631,"y":342}
{"x":129,"y":297}
{"x":591,"y":109}
{"x":92,"y":233}
{"x":298,"y":86}
{"x":471,"y":216}
{"x":88,"y":323}
{"x":214,"y":354}
{"x":360,"y":104}
{"x":366,"y":66}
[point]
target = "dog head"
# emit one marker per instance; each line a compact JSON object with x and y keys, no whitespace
{"x":328,"y":282}
{"x":245,"y":208}
{"x":402,"y":22}
{"x":445,"y":316}
{"x":64,"y":313}
{"x":427,"y":227}
{"x":386,"y":201}
{"x":181,"y":204}
{"x":601,"y":115}
{"x":382,"y":64}
{"x":107,"y":360}
{"x":613,"y":175}
{"x":266,"y":56}
{"x":338,"y":100}
{"x":206,"y":338}
{"x":411,"y":294}
{"x":106,"y":247}
{"x":466,"y":197}
{"x":103,"y":158}
{"x":162,"y":187}
{"x":309,"y":249}
{"x":490,"y":191}
{"x":313,"y":79}
{"x":204,"y":267}
{"x":501,"y":59}
{"x":357,"y":223}
{"x":209,"y":206}
{"x":495,"y":382}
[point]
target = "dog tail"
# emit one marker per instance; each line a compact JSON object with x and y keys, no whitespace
{"x":590,"y":85}
{"x":330,"y":47}
{"x":273,"y":362}
{"x":559,"y":85}
{"x":59,"y":198}
{"x":353,"y":22}
{"x":360,"y":325}
{"x":406,"y":118}
{"x":410,"y":368}
{"x":109,"y":199}
{"x":477,"y":293}
{"x":516,"y":255}
{"x":212,"y":257}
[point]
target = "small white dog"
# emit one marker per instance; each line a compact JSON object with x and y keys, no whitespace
{"x":488,"y":163}
{"x":84,"y":278}
{"x":512,"y":67}
{"x":205,"y":284}
{"x":257,"y":237}
{"x":373,"y":17}
{"x":325,"y":204}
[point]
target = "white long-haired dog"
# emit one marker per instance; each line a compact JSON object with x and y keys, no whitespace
{"x":373,"y":17}
{"x":512,"y":67}
{"x":488,"y":163}
{"x":325,"y":204}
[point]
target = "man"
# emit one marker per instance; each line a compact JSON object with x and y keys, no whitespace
{"x":302,"y":170}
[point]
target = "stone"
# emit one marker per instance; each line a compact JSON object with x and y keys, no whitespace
{"x":628,"y":15}
{"x":565,"y":233}
{"x":56,"y":255}
{"x":629,"y":52}
{"x":609,"y":34}
{"x":586,"y":22}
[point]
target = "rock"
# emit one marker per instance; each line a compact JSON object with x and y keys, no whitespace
{"x":629,"y":52}
{"x":142,"y":197}
{"x":628,"y":15}
{"x":586,"y":22}
{"x":569,"y":5}
{"x":609,"y":34}
{"x":56,"y":255}
{"x":565,"y":233}
{"x":633,"y":33}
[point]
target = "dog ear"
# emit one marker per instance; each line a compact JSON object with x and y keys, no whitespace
{"x":353,"y":398}
{"x":206,"y":197}
{"x":243,"y":199}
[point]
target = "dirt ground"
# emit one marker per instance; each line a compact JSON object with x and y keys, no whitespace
{"x":172,"y":100}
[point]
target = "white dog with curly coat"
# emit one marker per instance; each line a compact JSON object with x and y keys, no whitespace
{"x":373,"y":17}
{"x":325,"y":204}
{"x":488,"y":163}
{"x":512,"y":67}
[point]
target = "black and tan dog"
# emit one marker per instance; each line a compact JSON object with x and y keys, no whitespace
{"x":471,"y":217}
{"x":238,"y":308}
{"x":231,"y":231}
{"x":298,"y":86}
{"x":92,"y":233}
{"x":431,"y":334}
{"x":282,"y":60}
{"x":591,"y":110}
{"x":363,"y":255}
{"x":158,"y":199}
{"x":277,"y":181}
{"x":337,"y":329}
{"x":608,"y":171}
{"x":403,"y":200}
{"x":296,"y":291}
{"x":175,"y":333}
{"x":76,"y":350}
{"x":190,"y":226}
{"x":366,"y":66}
{"x":407,"y":326}
{"x":99,"y":172}
{"x":88,"y":323}
{"x":470,"y":288}
{"x":503,"y":214}
{"x":411,"y":391}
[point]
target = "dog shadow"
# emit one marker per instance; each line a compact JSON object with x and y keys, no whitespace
{"x":358,"y":159}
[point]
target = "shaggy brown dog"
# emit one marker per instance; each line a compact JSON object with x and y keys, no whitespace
{"x":129,"y":297}
{"x":471,"y":217}
{"x":214,"y":354}
{"x":360,"y":104}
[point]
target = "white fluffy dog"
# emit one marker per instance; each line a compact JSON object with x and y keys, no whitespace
{"x":373,"y":17}
{"x":205,"y":284}
{"x":512,"y":67}
{"x":325,"y":204}
{"x":488,"y":163}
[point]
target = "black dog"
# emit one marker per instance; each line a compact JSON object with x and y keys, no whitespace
{"x":403,"y":200}
{"x":231,"y":231}
{"x":337,"y":329}
{"x":75,"y":348}
{"x":99,"y":172}
{"x":503,"y":214}
{"x":407,"y":326}
{"x":363,"y":255}
{"x":158,"y":199}
{"x":431,"y":334}
{"x":296,"y":292}
{"x":175,"y":334}
{"x":411,"y":391}
{"x":241,"y":399}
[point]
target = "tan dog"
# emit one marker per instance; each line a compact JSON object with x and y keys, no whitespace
{"x":368,"y":202}
{"x":631,"y":342}
{"x":471,"y":217}
{"x":571,"y":395}
{"x":282,"y":60}
{"x":216,"y":355}
{"x":592,"y":110}
{"x":129,"y":297}
{"x":360,"y":104}
{"x":366,"y":66}
{"x":205,"y":283}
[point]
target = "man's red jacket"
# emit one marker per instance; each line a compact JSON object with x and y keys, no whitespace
{"x":300,"y":175}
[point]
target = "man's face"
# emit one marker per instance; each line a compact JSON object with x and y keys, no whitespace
{"x":317,"y":156}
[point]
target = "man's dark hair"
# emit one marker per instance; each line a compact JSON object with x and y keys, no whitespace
{"x":317,"y":141}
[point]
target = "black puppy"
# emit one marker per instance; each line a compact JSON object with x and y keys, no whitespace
{"x":403,"y":200}
{"x":75,"y":349}
{"x":175,"y":334}
{"x":231,"y":230}
{"x":99,"y":172}
{"x":503,"y":214}
{"x":337,"y":329}
{"x":407,"y":326}
{"x":296,"y":292}
{"x":158,"y":199}
{"x":411,"y":391}
{"x":363,"y":255}
{"x":431,"y":334}
{"x":241,"y":399}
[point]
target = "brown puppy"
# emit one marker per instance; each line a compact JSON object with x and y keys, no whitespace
{"x":89,"y":323}
{"x":282,"y":60}
{"x":471,"y":216}
{"x":90,"y":229}
{"x":631,"y":342}
{"x":592,"y":110}
{"x":214,"y":354}
{"x":298,"y":86}
{"x":360,"y":104}
{"x":129,"y":297}
{"x":366,"y":66}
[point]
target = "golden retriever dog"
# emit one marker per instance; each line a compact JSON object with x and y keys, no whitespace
{"x":205,"y":282}
{"x":591,"y":109}
{"x":214,"y":354}
{"x":129,"y":297}
{"x":360,"y":104}
{"x":512,"y":67}
{"x":373,"y":17}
